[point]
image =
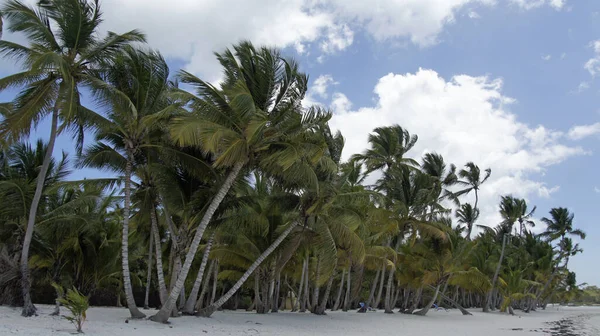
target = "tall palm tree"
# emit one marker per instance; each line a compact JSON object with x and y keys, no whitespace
{"x":471,"y":179}
{"x":445,"y":176}
{"x":63,"y":53}
{"x":467,"y":215}
{"x":136,"y":93}
{"x":524,"y":217}
{"x":246,"y":123}
{"x":560,"y":225}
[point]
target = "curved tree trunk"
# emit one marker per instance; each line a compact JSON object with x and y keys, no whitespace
{"x":133,"y":310}
{"x":304,"y":303}
{"x":28,"y":307}
{"x":149,"y":273}
{"x":163,"y":315}
{"x":193,"y":297}
{"x":424,"y":311}
{"x":208,"y":311}
{"x":160,"y":275}
{"x":552,"y":275}
{"x":338,"y":297}
{"x":200,"y":302}
{"x":315,"y":300}
{"x":439,"y":303}
{"x":388,"y":292}
{"x":348,"y":289}
{"x":301,"y":288}
{"x":495,"y":278}
{"x":373,"y":287}
{"x":323,"y":305}
{"x":381,"y":284}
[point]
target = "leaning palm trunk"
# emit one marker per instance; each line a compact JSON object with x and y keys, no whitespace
{"x":28,"y":307}
{"x":443,"y":292}
{"x":208,"y":311}
{"x":163,"y":314}
{"x":215,"y":282}
{"x":373,"y":287}
{"x":133,"y":310}
{"x":323,"y":305}
{"x":191,"y":301}
{"x":149,"y":273}
{"x":315,"y":301}
{"x":381,"y":282}
{"x":486,"y":304}
{"x":160,"y":275}
{"x":547,"y":284}
{"x":338,"y":297}
{"x":200,"y":302}
{"x":425,"y":309}
{"x":348,"y":289}
{"x":388,"y":292}
{"x":301,"y":288}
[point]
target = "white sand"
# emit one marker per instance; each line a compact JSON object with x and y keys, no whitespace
{"x":111,"y":322}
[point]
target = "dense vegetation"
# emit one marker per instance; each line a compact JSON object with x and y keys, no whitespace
{"x":236,"y":195}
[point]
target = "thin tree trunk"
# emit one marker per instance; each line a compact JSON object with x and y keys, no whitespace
{"x":552,"y":275}
{"x":388,"y":292}
{"x":215,"y":282}
{"x":348,"y":289}
{"x":206,"y":312}
{"x":315,"y":300}
{"x":56,"y":311}
{"x":133,"y":310}
{"x":338,"y":297}
{"x":443,"y":292}
{"x":149,"y":273}
{"x":495,"y":278}
{"x":163,"y":315}
{"x":193,"y":297}
{"x":416,"y":300}
{"x":298,"y":303}
{"x":276,"y":293}
{"x":424,"y":311}
{"x":396,"y":296}
{"x":305,"y":302}
{"x":381,"y":282}
{"x":323,"y":305}
{"x":28,"y":307}
{"x":160,"y":275}
{"x":200,"y":302}
{"x":454,"y":303}
{"x":373,"y":287}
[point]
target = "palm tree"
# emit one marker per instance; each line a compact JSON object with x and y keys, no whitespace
{"x":467,"y":215}
{"x":136,"y":93}
{"x":62,"y":55}
{"x":246,"y":123}
{"x":560,"y":225}
{"x":471,"y":179}
{"x":524,"y":215}
{"x":445,"y":176}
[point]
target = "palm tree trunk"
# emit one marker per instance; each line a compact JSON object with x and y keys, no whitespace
{"x":373,"y":287}
{"x":424,"y":311}
{"x":193,"y":297}
{"x":163,"y":315}
{"x":443,"y":292}
{"x":338,"y":297}
{"x":495,"y":278}
{"x":348,"y":289}
{"x":205,"y":282}
{"x":315,"y":300}
{"x":388,"y":292}
{"x":301,"y":288}
{"x":206,"y":312}
{"x":215,"y":282}
{"x":149,"y":273}
{"x":28,"y":307}
{"x":416,"y":301}
{"x":381,"y":281}
{"x":396,"y":296}
{"x":160,"y":275}
{"x":133,"y":310}
{"x":276,"y":293}
{"x":305,"y":302}
{"x":323,"y":305}
{"x":552,"y":275}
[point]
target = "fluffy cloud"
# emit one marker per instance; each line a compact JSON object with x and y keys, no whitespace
{"x":547,"y":57}
{"x":584,"y":131}
{"x":593,"y":64}
{"x":464,"y":119}
{"x":530,"y":4}
{"x":321,"y":84}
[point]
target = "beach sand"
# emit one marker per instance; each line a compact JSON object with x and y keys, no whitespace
{"x":564,"y":321}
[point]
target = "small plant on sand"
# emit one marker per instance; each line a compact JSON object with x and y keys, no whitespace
{"x":78,"y":304}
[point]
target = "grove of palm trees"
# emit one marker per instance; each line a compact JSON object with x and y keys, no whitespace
{"x":234,"y":195}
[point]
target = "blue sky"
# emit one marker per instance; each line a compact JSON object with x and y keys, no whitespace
{"x":503,"y":83}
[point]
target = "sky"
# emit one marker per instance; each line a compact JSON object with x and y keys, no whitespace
{"x":512,"y":85}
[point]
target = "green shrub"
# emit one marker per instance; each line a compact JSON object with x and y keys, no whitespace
{"x":78,"y":304}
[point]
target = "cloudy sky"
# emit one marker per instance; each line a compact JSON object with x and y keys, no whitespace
{"x":509,"y":84}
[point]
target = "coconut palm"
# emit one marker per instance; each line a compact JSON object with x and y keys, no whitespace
{"x":470,"y":178}
{"x":560,"y":225}
{"x":467,"y":215}
{"x":62,"y":55}
{"x":524,"y":216}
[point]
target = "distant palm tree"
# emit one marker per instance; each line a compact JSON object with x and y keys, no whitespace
{"x":560,"y":225}
{"x":471,"y":179}
{"x":63,"y":54}
{"x":467,"y":215}
{"x":524,"y":215}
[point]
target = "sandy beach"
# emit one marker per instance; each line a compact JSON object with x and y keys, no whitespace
{"x":567,"y":321}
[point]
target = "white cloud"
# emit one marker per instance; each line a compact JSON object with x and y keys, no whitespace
{"x":582,"y":87}
{"x":593,"y":64}
{"x":321,"y":84}
{"x":531,"y":4}
{"x":464,"y":119}
{"x":547,"y":57}
{"x":584,"y":131}
{"x":338,"y":38}
{"x":474,"y":15}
